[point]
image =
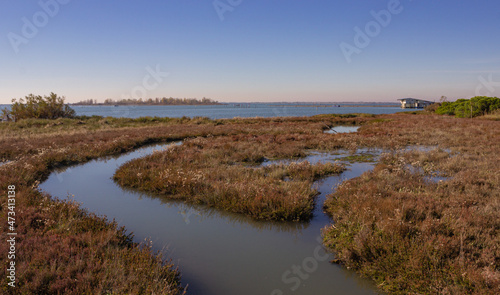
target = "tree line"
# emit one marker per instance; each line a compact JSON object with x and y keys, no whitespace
{"x":151,"y":101}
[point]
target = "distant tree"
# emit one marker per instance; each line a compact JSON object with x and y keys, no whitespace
{"x":432,"y":107}
{"x":36,"y":106}
{"x":86,"y":102}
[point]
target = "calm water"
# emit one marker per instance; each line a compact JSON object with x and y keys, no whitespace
{"x":231,"y":110}
{"x":227,"y":111}
{"x":218,"y":252}
{"x":342,"y":129}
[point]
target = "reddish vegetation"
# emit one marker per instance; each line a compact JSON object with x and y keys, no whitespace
{"x":417,"y":236}
{"x":214,"y":171}
{"x":411,"y":235}
{"x":62,"y":249}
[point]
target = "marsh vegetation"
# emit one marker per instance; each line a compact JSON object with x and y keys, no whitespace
{"x":214,"y":171}
{"x":408,"y":234}
{"x":417,"y":236}
{"x":91,"y":254}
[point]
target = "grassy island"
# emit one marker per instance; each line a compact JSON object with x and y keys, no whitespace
{"x":223,"y":172}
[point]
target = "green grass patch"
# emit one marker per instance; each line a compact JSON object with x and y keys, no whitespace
{"x":364,"y":157}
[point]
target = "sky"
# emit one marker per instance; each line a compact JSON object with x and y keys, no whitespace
{"x":250,"y":50}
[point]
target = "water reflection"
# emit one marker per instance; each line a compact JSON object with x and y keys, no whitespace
{"x":340,"y":155}
{"x":5,"y":163}
{"x":342,"y":129}
{"x":200,"y":213}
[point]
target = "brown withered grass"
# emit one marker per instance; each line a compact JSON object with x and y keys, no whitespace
{"x":62,"y":249}
{"x":214,"y":171}
{"x":396,"y":225}
{"x":414,"y":234}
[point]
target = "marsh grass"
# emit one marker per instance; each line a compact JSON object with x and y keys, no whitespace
{"x":62,"y":249}
{"x":363,"y":157}
{"x":215,"y":172}
{"x":65,"y":250}
{"x":413,"y":236}
{"x":495,"y":115}
{"x":410,"y":235}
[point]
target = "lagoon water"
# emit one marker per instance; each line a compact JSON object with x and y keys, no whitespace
{"x":218,"y":252}
{"x":231,"y":110}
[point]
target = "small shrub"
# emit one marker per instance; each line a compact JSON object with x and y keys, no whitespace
{"x":432,"y":107}
{"x":38,"y":107}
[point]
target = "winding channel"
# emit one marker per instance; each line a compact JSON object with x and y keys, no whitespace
{"x":218,"y":252}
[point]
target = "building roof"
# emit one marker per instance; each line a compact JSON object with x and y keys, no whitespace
{"x":409,"y":98}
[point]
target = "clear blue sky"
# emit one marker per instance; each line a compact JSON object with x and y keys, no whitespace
{"x":250,"y":50}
